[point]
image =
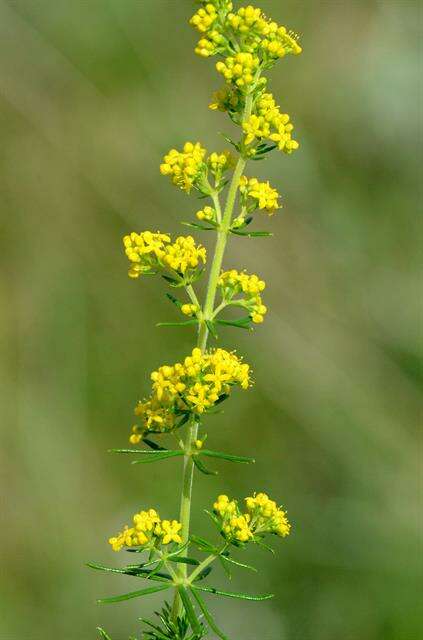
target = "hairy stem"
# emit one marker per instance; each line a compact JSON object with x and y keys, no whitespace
{"x":192,"y":433}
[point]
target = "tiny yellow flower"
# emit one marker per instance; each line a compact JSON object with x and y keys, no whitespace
{"x":170,"y":531}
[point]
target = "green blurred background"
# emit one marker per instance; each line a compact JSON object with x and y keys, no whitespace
{"x":92,"y":94}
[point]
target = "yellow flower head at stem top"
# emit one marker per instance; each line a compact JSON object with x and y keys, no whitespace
{"x":262,"y":516}
{"x":191,"y":387}
{"x":150,"y":252}
{"x":148,"y":531}
{"x":246,"y":31}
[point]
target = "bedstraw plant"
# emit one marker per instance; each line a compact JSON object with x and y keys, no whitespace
{"x":183,"y":394}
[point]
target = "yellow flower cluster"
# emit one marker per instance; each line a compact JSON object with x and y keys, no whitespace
{"x":219,"y":162}
{"x":239,"y":69}
{"x":266,"y":198}
{"x":184,"y":167}
{"x":190,"y":309}
{"x":204,"y":18}
{"x":191,"y":387}
{"x":262,"y":516}
{"x":207,"y":21}
{"x":149,"y":251}
{"x":234,"y":282}
{"x":255,"y":33}
{"x":207,"y":213}
{"x":266,"y":516}
{"x":145,"y":250}
{"x":148,"y":530}
{"x":264,"y":35}
{"x":184,"y":255}
{"x":269,"y":122}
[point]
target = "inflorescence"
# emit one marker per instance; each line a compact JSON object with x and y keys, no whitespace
{"x":262,"y":516}
{"x":191,"y":387}
{"x":247,"y":43}
{"x":148,"y":531}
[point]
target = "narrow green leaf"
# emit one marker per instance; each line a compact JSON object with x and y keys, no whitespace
{"x":157,"y":456}
{"x":225,"y":568}
{"x":196,"y":276}
{"x":184,"y":323}
{"x":153,"y":445}
{"x":132,"y":570}
{"x":265,"y":546}
{"x":242,"y":323}
{"x":146,"y":452}
{"x":230,"y":594}
{"x":156,"y":571}
{"x":214,"y":518}
{"x":174,"y":300}
{"x":228,"y":558}
{"x":226,"y":456}
{"x":172,"y":281}
{"x":183,"y":421}
{"x":228,"y":139}
{"x":134,"y":594}
{"x":263,"y":149}
{"x":252,"y":234}
{"x":203,"y":574}
{"x":190,"y":611}
{"x":208,"y":615}
{"x":194,"y":225}
{"x":202,"y":543}
{"x":103,"y":634}
{"x":210,"y":327}
{"x":179,"y":550}
{"x":184,"y":560}
{"x":201,"y":467}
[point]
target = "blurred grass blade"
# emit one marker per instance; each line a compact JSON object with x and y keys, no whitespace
{"x":231,"y":594}
{"x":134,"y":594}
{"x":208,"y":615}
{"x":103,"y":634}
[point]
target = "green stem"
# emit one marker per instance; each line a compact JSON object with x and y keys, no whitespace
{"x":211,"y":558}
{"x":192,"y":434}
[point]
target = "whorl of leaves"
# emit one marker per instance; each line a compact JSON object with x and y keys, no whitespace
{"x":169,"y":630}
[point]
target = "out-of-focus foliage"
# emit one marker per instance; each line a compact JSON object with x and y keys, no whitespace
{"x":92,"y":94}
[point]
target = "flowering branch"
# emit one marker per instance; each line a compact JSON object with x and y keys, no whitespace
{"x":183,"y":394}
